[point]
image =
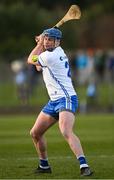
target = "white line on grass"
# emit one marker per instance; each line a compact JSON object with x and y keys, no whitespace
{"x":59,"y":157}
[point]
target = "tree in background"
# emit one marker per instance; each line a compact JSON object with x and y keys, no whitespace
{"x":21,"y":20}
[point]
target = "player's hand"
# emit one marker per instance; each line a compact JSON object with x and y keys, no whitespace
{"x":39,"y":39}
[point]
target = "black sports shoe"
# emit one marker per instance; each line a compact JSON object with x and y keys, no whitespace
{"x":86,"y":171}
{"x":42,"y":170}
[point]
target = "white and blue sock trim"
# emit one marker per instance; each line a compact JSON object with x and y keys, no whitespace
{"x":82,"y":161}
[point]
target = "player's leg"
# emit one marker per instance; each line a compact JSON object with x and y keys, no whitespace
{"x":66,"y":122}
{"x":43,"y":122}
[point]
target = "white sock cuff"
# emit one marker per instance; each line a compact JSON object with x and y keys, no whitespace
{"x":44,"y":167}
{"x":83,"y":166}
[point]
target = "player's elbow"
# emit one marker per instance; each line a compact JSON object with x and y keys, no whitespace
{"x":29,"y":60}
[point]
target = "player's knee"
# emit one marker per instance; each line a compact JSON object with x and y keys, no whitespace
{"x":33,"y":134}
{"x":65,"y":133}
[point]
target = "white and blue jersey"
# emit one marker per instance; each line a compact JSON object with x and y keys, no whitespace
{"x":57,"y":75}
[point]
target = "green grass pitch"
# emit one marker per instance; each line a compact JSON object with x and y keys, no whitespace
{"x":18,"y":157}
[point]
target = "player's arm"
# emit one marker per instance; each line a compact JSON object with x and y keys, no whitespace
{"x":33,"y":57}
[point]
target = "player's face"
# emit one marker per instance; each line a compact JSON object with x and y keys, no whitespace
{"x":49,"y":43}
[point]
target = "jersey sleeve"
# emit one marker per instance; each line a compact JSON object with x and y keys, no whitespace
{"x":45,"y":59}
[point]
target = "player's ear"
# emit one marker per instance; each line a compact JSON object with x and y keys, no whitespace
{"x":57,"y":43}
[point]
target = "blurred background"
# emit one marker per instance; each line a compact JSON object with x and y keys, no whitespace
{"x":88,"y":43}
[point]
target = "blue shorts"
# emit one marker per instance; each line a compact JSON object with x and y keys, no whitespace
{"x":63,"y":104}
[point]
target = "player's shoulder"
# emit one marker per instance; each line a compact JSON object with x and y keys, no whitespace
{"x":47,"y":57}
{"x":59,"y":49}
{"x":45,"y":54}
{"x":51,"y":55}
